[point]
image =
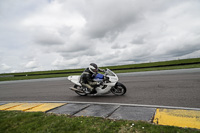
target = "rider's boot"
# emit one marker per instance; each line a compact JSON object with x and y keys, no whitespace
{"x":88,"y":88}
{"x":87,"y":91}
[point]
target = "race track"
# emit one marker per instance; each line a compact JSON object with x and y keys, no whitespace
{"x":180,"y":88}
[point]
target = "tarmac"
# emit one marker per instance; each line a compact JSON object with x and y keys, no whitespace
{"x":161,"y":115}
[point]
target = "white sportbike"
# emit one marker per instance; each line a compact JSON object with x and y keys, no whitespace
{"x":109,"y":83}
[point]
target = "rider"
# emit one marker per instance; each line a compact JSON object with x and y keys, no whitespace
{"x":87,"y":76}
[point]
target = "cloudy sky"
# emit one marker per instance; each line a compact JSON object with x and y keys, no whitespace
{"x":60,"y":34}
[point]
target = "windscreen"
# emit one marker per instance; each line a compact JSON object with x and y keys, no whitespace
{"x":109,"y":72}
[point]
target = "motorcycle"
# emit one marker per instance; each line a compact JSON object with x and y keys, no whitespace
{"x":107,"y":83}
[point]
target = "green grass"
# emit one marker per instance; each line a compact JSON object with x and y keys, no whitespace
{"x":37,"y":122}
{"x":159,"y":68}
{"x":161,"y":63}
{"x":137,"y":68}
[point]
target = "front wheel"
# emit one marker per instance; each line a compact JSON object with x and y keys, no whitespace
{"x":78,"y":92}
{"x":119,"y":89}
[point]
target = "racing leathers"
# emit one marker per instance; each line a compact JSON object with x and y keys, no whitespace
{"x":86,"y":79}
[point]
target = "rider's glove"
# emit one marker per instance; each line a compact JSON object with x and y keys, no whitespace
{"x":99,"y":83}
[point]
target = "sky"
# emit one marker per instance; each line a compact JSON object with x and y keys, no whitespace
{"x":38,"y":35}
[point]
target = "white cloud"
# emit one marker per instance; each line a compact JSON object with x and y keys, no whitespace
{"x":62,"y":62}
{"x":5,"y":67}
{"x":31,"y":64}
{"x":54,"y":15}
{"x":53,"y":24}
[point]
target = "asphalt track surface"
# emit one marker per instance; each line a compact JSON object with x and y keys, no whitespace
{"x":179,"y":88}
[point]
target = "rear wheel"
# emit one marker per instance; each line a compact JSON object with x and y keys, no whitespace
{"x":119,"y":89}
{"x":78,"y":92}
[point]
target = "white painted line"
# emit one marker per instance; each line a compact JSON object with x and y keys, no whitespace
{"x":33,"y":80}
{"x":119,"y":104}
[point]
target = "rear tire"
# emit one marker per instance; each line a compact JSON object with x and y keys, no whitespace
{"x":78,"y":92}
{"x":119,"y":89}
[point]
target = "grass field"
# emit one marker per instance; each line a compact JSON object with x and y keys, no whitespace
{"x":38,"y":122}
{"x":165,"y":65}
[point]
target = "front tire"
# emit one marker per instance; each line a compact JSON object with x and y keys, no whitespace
{"x":78,"y":92}
{"x":119,"y":89}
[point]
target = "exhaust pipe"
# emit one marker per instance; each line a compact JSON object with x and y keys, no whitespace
{"x":74,"y":89}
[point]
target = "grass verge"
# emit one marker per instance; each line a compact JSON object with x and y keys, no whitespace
{"x":34,"y":122}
